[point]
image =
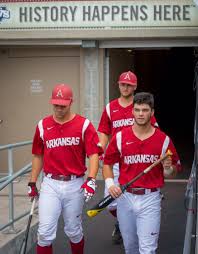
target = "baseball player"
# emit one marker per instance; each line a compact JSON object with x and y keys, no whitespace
{"x":135,"y":148}
{"x":60,"y":146}
{"x":116,"y":116}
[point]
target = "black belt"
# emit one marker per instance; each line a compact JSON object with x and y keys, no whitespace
{"x":141,"y":191}
{"x":62,"y":177}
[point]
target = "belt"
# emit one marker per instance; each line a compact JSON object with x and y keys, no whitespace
{"x":140,"y":191}
{"x":62,"y":177}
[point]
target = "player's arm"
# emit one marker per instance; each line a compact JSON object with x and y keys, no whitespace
{"x":107,"y":171}
{"x":93,"y":165}
{"x":89,"y":185}
{"x":108,"y":176}
{"x":37,"y":165}
{"x":93,"y":149}
{"x":104,"y":140}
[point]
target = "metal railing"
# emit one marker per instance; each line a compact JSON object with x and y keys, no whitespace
{"x":190,"y":205}
{"x":8,"y":181}
{"x":191,"y":234}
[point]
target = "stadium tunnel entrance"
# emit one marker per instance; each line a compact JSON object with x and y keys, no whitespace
{"x":168,"y":73}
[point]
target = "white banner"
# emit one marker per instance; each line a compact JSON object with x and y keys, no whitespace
{"x":98,"y":14}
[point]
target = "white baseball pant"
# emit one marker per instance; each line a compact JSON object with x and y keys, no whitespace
{"x":56,"y":197}
{"x":139,"y":219}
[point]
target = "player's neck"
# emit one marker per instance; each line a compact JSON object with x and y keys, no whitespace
{"x":66,"y":118}
{"x":125,"y":101}
{"x":143,"y":131}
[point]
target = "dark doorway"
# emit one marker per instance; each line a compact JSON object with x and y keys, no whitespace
{"x":168,"y":73}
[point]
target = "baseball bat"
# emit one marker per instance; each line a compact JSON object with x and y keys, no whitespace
{"x":24,"y":243}
{"x":102,"y":204}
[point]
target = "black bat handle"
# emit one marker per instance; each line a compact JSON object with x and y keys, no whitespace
{"x":107,"y":200}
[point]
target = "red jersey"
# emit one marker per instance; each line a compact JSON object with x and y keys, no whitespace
{"x":134,"y":155}
{"x":115,"y":117}
{"x":64,"y":146}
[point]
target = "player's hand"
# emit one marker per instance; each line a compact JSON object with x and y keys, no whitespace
{"x":167,"y":163}
{"x":115,"y":191}
{"x":89,"y":187}
{"x":32,"y":190}
{"x":169,"y":171}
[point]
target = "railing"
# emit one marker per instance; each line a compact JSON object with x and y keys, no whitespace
{"x":191,"y":234}
{"x":190,"y":205}
{"x":8,"y":181}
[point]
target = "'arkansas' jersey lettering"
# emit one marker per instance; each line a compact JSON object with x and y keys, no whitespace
{"x":123,"y":122}
{"x":140,"y":158}
{"x":68,"y":141}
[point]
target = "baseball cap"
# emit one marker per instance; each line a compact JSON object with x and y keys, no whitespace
{"x":128,"y":78}
{"x":61,"y":95}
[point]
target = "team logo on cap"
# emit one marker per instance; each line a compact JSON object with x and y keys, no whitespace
{"x":59,"y":93}
{"x":127,"y":76}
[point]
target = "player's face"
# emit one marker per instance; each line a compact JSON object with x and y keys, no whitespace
{"x":61,"y":111}
{"x":142,"y":114}
{"x":126,"y":90}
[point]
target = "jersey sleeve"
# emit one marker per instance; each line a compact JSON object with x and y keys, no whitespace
{"x":37,"y":146}
{"x":112,"y":154}
{"x":105,"y":123}
{"x":92,"y":141}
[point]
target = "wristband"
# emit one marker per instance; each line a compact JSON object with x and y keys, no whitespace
{"x":109,"y":182}
{"x":168,"y":171}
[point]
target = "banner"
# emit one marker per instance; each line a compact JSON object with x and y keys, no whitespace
{"x":97,"y":14}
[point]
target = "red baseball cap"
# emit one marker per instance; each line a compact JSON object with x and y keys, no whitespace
{"x":61,"y":95}
{"x":128,"y":78}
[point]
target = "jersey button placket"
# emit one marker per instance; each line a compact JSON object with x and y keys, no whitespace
{"x":61,"y":129}
{"x":140,"y":146}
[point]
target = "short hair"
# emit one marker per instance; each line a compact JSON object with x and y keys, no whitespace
{"x":144,"y":98}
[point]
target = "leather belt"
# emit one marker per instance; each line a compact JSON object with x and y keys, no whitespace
{"x":141,"y":191}
{"x":62,"y":177}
